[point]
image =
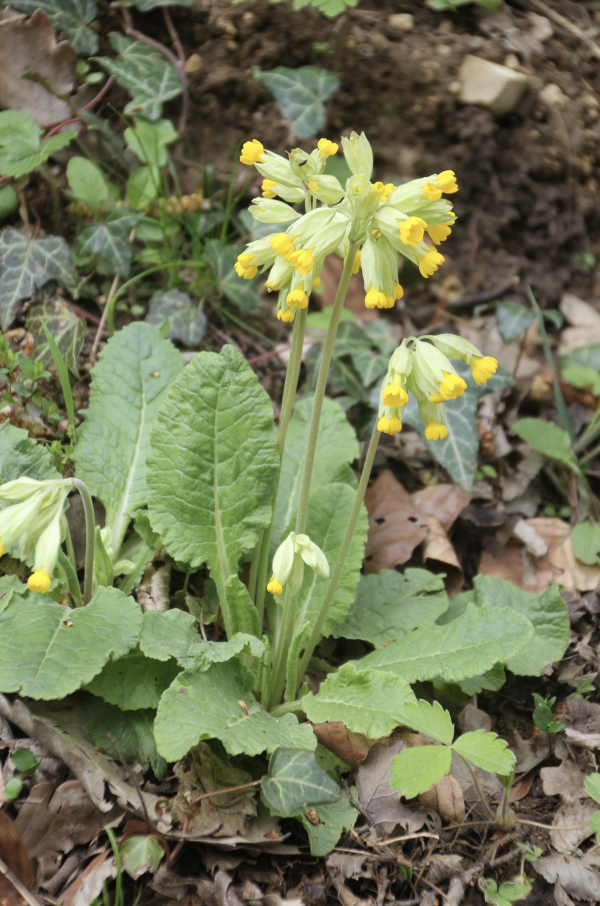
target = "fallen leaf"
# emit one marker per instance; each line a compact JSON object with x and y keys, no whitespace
{"x":438,"y":555}
{"x":581,"y":715}
{"x":375,"y":795}
{"x":521,"y":787}
{"x":473,"y":718}
{"x":351,"y":747}
{"x":29,"y":45}
{"x":583,"y":740}
{"x":446,"y":798}
{"x":584,"y":321}
{"x":443,"y":867}
{"x":13,"y":852}
{"x":577,"y":876}
{"x":572,"y":814}
{"x":561,"y":897}
{"x":444,"y":501}
{"x":395,"y":526}
{"x":88,"y":885}
{"x":530,"y":752}
{"x":345,"y":865}
{"x":565,"y":781}
{"x":153,"y":592}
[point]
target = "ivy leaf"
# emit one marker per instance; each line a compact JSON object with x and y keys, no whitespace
{"x":546,"y":437}
{"x":132,"y":732}
{"x":432,"y":720}
{"x":468,"y":646}
{"x":28,"y":264}
{"x":512,"y":320}
{"x":48,"y":650}
{"x":212,"y":468}
{"x":144,"y":73}
{"x":547,"y":613}
{"x":295,"y":781}
{"x":370,"y":702}
{"x":22,"y":456}
{"x":106,"y":247}
{"x":186,"y":321}
{"x":416,"y":770}
{"x":168,"y":635}
{"x":326,"y":823}
{"x":300,"y":94}
{"x":336,"y":447}
{"x":203,"y":654}
{"x":458,"y":452}
{"x":129,"y":384}
{"x":67,"y":329}
{"x":588,"y":356}
{"x":486,"y":750}
{"x":389,"y":604}
{"x":219,"y":704}
{"x":21,"y":149}
{"x":222,"y":259}
{"x":133,"y":682}
{"x":70,"y":16}
{"x":141,"y":854}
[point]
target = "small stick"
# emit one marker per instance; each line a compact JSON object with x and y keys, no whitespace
{"x":231,"y":789}
{"x":17,"y":884}
{"x":567,"y":24}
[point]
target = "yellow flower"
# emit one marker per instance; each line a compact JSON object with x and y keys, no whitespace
{"x":356,"y":265}
{"x":378,"y":188}
{"x":275,"y":587}
{"x":412,"y":230}
{"x":286,"y":316}
{"x":1,"y":550}
{"x":483,"y":369}
{"x":398,"y":291}
{"x":302,"y":260}
{"x":434,"y":431}
{"x":431,"y":191}
{"x":244,"y":267}
{"x":389,"y":425}
{"x":283,"y":244}
{"x":317,"y":282}
{"x":39,"y":581}
{"x":430,"y":262}
{"x":272,"y":287}
{"x":267,"y":188}
{"x":327,"y":148}
{"x":395,"y":395}
{"x":375,"y":299}
{"x":440,"y":231}
{"x":297,"y":298}
{"x":451,"y":387}
{"x":252,"y":152}
{"x":446,"y":181}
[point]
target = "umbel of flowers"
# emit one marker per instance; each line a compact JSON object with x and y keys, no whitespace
{"x":384,"y":220}
{"x":423,"y":367}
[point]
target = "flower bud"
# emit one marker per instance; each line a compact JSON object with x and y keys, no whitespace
{"x":326,"y":189}
{"x":358,"y":154}
{"x":267,"y":210}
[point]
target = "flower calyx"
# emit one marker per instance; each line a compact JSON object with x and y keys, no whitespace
{"x":289,"y":560}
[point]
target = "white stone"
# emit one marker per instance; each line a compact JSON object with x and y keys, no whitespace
{"x":490,"y":85}
{"x":402,"y":21}
{"x":553,"y":96}
{"x":540,"y":28}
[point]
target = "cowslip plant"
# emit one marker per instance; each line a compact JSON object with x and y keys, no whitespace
{"x":190,"y":470}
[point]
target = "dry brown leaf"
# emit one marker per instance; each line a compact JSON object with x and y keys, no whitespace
{"x":153,"y":593}
{"x":584,"y":321}
{"x":395,"y":526}
{"x":446,"y":798}
{"x":9,"y":895}
{"x":522,"y":786}
{"x":88,"y":885}
{"x":382,"y":803}
{"x":29,"y":45}
{"x":473,"y":718}
{"x":508,"y":354}
{"x":572,"y":815}
{"x":444,"y":501}
{"x":12,"y":851}
{"x":560,"y":896}
{"x":351,"y":747}
{"x":346,"y":865}
{"x":565,"y":781}
{"x":530,"y":752}
{"x":578,"y":877}
{"x":582,"y":715}
{"x":439,"y":555}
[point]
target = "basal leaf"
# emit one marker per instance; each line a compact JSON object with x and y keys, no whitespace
{"x":141,"y":188}
{"x":86,"y":181}
{"x":202,"y":654}
{"x":141,"y":854}
{"x":336,"y":447}
{"x":67,"y":329}
{"x":168,"y":635}
{"x":492,"y":680}
{"x":458,"y":452}
{"x":468,"y":646}
{"x":432,"y":720}
{"x":243,"y":614}
{"x":388,"y":604}
{"x":132,"y":731}
{"x":417,"y":769}
{"x":144,"y":72}
{"x":296,"y":780}
{"x":486,"y":750}
{"x":213,"y":465}
{"x":219,"y":704}
{"x":129,"y":384}
{"x":585,"y":541}
{"x":300,"y":94}
{"x":134,"y":681}
{"x":325,"y":823}
{"x":70,"y":16}
{"x":48,"y":650}
{"x":547,"y":613}
{"x":28,"y":264}
{"x":366,"y":701}
{"x":546,"y":437}
{"x":106,"y":246}
{"x":222,"y":259}
{"x":512,"y":320}
{"x":187,"y":322}
{"x":22,"y":456}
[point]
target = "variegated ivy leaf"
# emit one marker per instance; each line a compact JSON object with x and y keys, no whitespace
{"x":297,"y":780}
{"x":325,"y":823}
{"x":70,"y":16}
{"x":67,"y":329}
{"x":28,"y":264}
{"x":187,"y":322}
{"x":222,"y":258}
{"x":106,"y":247}
{"x":300,"y":94}
{"x":134,"y":681}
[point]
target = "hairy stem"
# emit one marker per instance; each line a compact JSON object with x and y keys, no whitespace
{"x":90,"y":531}
{"x":290,"y":608}
{"x":341,"y":559}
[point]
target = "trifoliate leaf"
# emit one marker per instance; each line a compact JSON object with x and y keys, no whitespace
{"x":389,"y":604}
{"x":213,"y":465}
{"x":132,"y":731}
{"x":48,"y":650}
{"x":585,"y":541}
{"x":417,"y":769}
{"x":466,"y":647}
{"x":144,"y":73}
{"x":186,"y":321}
{"x":86,"y":181}
{"x":133,"y":682}
{"x":202,"y":654}
{"x":28,"y":264}
{"x":20,"y":456}
{"x":336,"y":447}
{"x":546,"y":437}
{"x":595,"y":825}
{"x":70,"y":16}
{"x":300,"y":94}
{"x":222,"y":259}
{"x":129,"y":384}
{"x":149,"y":141}
{"x":486,"y":750}
{"x":592,"y":786}
{"x":326,"y":823}
{"x":219,"y":703}
{"x":366,"y":701}
{"x":67,"y":329}
{"x":168,"y":635}
{"x":512,"y":320}
{"x":547,"y":613}
{"x":106,"y":247}
{"x":432,"y":720}
{"x":296,"y":780}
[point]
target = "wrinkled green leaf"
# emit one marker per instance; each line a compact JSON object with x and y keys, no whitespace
{"x":389,"y":604}
{"x":106,"y":246}
{"x":486,"y":750}
{"x":9,"y":201}
{"x":366,"y":701}
{"x":129,"y":384}
{"x":202,"y":705}
{"x":222,"y":259}
{"x":203,"y":654}
{"x":585,"y":541}
{"x":300,"y":94}
{"x":512,"y":320}
{"x":187,"y":322}
{"x":134,"y":681}
{"x":28,"y":264}
{"x":296,"y":780}
{"x":67,"y":329}
{"x":432,"y":720}
{"x":70,"y":16}
{"x":22,"y":456}
{"x":48,"y":650}
{"x":243,"y":614}
{"x":417,"y":769}
{"x":168,"y":635}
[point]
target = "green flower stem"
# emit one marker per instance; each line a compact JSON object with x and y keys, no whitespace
{"x":311,"y":445}
{"x":285,"y":640}
{"x":339,"y":565}
{"x":287,"y":405}
{"x":90,"y":534}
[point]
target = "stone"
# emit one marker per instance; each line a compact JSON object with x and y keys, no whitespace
{"x":402,"y":21}
{"x":540,"y":28}
{"x":193,"y":64}
{"x":553,"y":96}
{"x":490,"y":85}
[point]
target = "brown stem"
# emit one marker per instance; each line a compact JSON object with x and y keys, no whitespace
{"x":231,"y":789}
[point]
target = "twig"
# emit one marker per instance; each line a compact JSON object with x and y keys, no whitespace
{"x":178,"y":65}
{"x":382,"y":886}
{"x":408,"y":837}
{"x":567,"y":24}
{"x":268,"y":355}
{"x":357,"y":805}
{"x":18,"y":885}
{"x":437,"y":889}
{"x":231,"y":789}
